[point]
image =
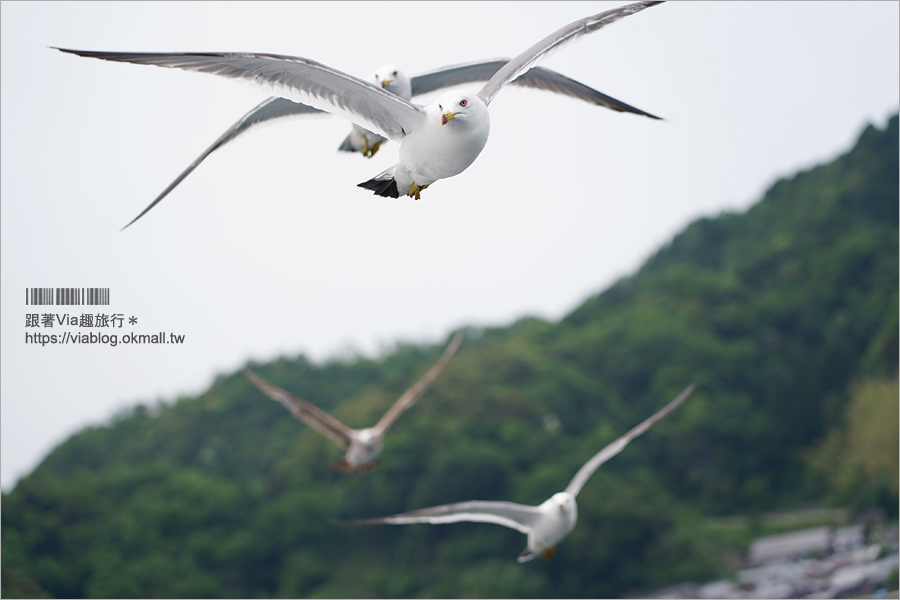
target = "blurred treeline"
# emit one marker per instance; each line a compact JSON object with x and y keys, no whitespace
{"x":786,"y":318}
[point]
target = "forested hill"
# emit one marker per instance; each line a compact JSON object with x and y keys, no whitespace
{"x":784,"y":316}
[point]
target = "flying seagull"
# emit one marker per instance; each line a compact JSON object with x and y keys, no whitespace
{"x":437,"y":141}
{"x":362,"y":446}
{"x":396,"y":81}
{"x":546,"y":524}
{"x":359,"y":139}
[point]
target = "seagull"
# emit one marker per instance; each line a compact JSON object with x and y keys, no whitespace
{"x":396,"y":81}
{"x":362,"y":446}
{"x":437,"y":141}
{"x":546,"y":524}
{"x":362,"y":140}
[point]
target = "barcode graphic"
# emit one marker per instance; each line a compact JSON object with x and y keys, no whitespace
{"x":66,"y":296}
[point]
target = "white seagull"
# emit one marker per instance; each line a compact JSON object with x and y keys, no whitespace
{"x":546,"y":524}
{"x":396,"y":81}
{"x":437,"y":141}
{"x":362,"y":446}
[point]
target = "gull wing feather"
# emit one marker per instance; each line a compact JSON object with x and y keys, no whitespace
{"x":546,"y":79}
{"x":270,"y":108}
{"x":451,"y":75}
{"x":304,"y":411}
{"x":585,"y":472}
{"x":555,"y":40}
{"x":410,"y":396}
{"x":294,"y":78}
{"x":508,"y":514}
{"x":536,"y":77}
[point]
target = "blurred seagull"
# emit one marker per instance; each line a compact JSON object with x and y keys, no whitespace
{"x":439,"y":140}
{"x":362,"y":446}
{"x":396,"y":81}
{"x":546,"y":524}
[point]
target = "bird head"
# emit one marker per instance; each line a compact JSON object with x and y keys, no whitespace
{"x":565,"y":502}
{"x":393,"y":80}
{"x":459,"y":107}
{"x":370,"y":438}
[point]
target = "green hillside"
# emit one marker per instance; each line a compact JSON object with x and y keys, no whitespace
{"x":785,"y":316}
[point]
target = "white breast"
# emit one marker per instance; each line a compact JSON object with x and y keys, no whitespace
{"x":438,"y":151}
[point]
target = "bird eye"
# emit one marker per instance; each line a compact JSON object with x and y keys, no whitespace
{"x":395,"y":73}
{"x":463,"y":102}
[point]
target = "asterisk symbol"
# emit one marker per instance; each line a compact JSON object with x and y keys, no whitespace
{"x":132,"y":320}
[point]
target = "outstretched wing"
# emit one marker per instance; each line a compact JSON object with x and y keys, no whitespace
{"x":585,"y":472}
{"x":508,"y":514}
{"x":410,"y":396}
{"x":298,"y":79}
{"x":537,"y":78}
{"x":270,"y":108}
{"x":304,"y":411}
{"x":572,"y":31}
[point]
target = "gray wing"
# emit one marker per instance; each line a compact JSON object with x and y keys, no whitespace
{"x":299,"y":79}
{"x":536,"y":77}
{"x":555,"y":40}
{"x":304,"y":411}
{"x":508,"y":514}
{"x":410,"y":396}
{"x":585,"y":472}
{"x":271,"y":108}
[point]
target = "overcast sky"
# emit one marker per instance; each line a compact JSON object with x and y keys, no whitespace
{"x":270,"y":249}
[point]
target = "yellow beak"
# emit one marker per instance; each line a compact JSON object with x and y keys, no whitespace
{"x":385,"y":83}
{"x":447,"y":117}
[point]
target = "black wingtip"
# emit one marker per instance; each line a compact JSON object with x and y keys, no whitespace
{"x":85,"y":53}
{"x":382,"y":187}
{"x":134,"y":220}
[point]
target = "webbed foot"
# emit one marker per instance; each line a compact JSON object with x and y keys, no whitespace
{"x":416,"y":189}
{"x":369,"y":151}
{"x":548,"y":553}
